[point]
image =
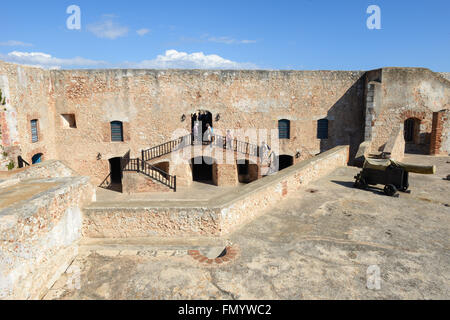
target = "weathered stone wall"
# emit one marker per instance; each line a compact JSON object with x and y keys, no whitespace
{"x":440,"y":135}
{"x":151,"y":103}
{"x":38,"y":237}
{"x":254,"y":198}
{"x":408,"y":93}
{"x":134,"y":182}
{"x":29,"y":96}
{"x":46,"y":169}
{"x":446,"y":75}
{"x":215,"y":217}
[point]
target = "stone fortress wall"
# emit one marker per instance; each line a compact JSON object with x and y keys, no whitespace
{"x":55,"y":206}
{"x":359,"y":106}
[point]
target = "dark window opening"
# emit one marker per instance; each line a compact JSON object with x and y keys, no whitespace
{"x":322,"y":129}
{"x":34,"y":131}
{"x":115,"y":170}
{"x":69,"y":121}
{"x":116,"y":131}
{"x":285,"y":161}
{"x":284,"y":129}
{"x":37,"y":158}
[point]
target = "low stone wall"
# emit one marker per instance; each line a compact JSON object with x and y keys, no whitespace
{"x":215,"y":217}
{"x":240,"y":207}
{"x":39,"y":235}
{"x":46,"y":169}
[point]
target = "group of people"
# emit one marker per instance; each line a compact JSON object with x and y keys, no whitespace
{"x":207,"y":136}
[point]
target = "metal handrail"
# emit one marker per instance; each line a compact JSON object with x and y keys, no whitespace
{"x":138,"y":165}
{"x":105,"y":183}
{"x":166,"y":148}
{"x":188,"y":140}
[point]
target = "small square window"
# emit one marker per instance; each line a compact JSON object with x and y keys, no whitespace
{"x":69,"y":121}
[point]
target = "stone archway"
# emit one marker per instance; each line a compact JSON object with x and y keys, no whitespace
{"x":37,"y":158}
{"x":416,"y":132}
{"x":412,"y":130}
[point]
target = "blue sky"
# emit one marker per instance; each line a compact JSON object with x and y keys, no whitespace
{"x":295,"y":34}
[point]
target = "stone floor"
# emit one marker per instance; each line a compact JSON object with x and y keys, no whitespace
{"x":198,"y":191}
{"x":318,"y":244}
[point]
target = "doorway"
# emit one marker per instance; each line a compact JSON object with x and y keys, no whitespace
{"x":202,"y":169}
{"x":412,"y":130}
{"x":115,"y":170}
{"x":203,"y":118}
{"x":415,"y":142}
{"x":247,"y":171}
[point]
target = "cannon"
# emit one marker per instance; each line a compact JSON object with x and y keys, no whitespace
{"x":391,"y":173}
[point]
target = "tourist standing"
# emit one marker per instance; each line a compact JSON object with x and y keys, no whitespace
{"x":229,"y":140}
{"x":196,"y":131}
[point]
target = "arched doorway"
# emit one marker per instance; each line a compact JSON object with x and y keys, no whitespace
{"x":414,"y":143}
{"x":203,"y":118}
{"x":164,"y":166}
{"x":202,"y":169}
{"x":37,"y":158}
{"x":115,"y":170}
{"x":285,"y":161}
{"x":412,"y":130}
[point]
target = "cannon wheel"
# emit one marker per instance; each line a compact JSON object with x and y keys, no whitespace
{"x":404,"y":188}
{"x":390,"y":190}
{"x":360,"y":183}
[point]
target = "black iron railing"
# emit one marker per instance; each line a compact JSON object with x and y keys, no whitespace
{"x":22,"y":163}
{"x":167,"y":148}
{"x":106,"y":183}
{"x":137,"y":165}
{"x":237,"y":146}
{"x":188,"y":140}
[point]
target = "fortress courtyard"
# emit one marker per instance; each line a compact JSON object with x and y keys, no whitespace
{"x":316,"y":244}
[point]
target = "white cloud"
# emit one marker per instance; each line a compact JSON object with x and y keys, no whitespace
{"x":172,"y":59}
{"x":108,"y":28}
{"x":142,"y":31}
{"x":46,"y":61}
{"x":15,"y":43}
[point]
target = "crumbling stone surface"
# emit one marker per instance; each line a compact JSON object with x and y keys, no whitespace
{"x":39,"y":234}
{"x":313,"y":245}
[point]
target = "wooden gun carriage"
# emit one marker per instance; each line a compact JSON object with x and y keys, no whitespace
{"x":394,"y":175}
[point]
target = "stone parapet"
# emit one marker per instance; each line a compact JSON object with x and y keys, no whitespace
{"x":215,"y":217}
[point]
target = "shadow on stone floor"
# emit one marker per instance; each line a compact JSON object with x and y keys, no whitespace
{"x":349,"y":184}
